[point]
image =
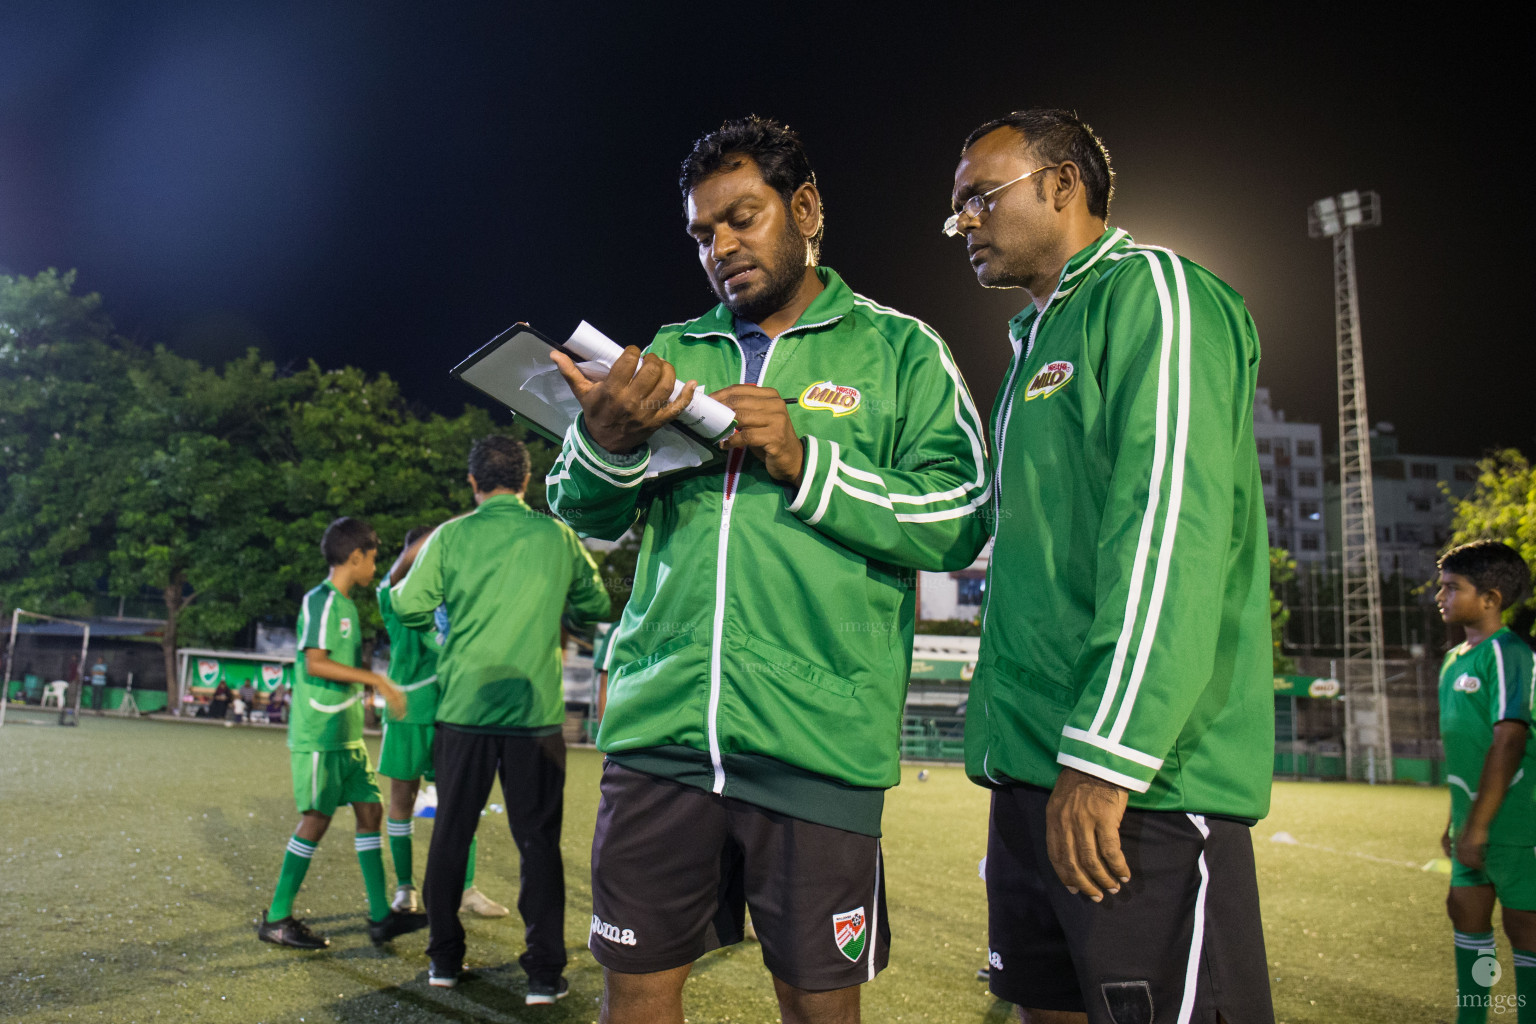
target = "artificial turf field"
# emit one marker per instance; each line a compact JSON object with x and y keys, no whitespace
{"x":135,"y":855}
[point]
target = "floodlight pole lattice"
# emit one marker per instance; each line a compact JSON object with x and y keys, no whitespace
{"x":1368,"y":728}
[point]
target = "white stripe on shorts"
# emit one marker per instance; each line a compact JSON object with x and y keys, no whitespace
{"x":874,"y":915}
{"x":1192,"y":971}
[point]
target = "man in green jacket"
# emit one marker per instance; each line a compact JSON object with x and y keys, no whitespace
{"x":503,"y":573}
{"x":760,"y":669}
{"x":1121,"y":708}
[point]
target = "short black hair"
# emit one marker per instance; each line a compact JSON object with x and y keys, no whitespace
{"x":498,"y":461}
{"x":1057,"y":136}
{"x":344,"y":536}
{"x":415,"y":533}
{"x":774,"y":146}
{"x":1491,"y":565}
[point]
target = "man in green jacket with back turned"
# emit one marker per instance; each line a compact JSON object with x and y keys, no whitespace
{"x":760,"y":669}
{"x":503,"y":573}
{"x":1122,"y":708}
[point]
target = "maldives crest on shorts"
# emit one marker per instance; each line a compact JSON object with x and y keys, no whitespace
{"x":838,"y":399}
{"x":849,"y":930}
{"x":1049,"y":380}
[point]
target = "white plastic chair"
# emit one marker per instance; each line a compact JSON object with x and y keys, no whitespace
{"x":55,"y":692}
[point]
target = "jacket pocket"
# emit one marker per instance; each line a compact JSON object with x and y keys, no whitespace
{"x":776,"y":660}
{"x":1008,"y":676}
{"x":656,"y":657}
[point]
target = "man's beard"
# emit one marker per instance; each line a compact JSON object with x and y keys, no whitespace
{"x":783,"y":275}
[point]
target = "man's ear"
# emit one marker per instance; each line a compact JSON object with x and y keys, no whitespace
{"x":1067,"y":180}
{"x":472,"y":485}
{"x":805,"y":210}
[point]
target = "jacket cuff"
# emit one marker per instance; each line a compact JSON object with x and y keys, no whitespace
{"x":1110,"y":761}
{"x":620,"y":470}
{"x":817,"y":479}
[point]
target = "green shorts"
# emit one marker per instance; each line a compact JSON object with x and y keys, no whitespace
{"x":1511,"y":870}
{"x":323,"y":780}
{"x":406,"y":751}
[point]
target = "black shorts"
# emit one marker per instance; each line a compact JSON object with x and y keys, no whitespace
{"x":674,"y":867}
{"x":1179,"y":942}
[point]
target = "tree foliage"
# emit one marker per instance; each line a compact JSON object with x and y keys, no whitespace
{"x":126,"y":471}
{"x":63,"y":382}
{"x":1501,"y":506}
{"x":1282,"y":570}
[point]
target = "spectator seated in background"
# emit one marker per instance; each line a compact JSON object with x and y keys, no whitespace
{"x":218,"y":704}
{"x":277,"y":706}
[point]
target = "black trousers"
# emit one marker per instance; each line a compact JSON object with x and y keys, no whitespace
{"x":533,"y":784}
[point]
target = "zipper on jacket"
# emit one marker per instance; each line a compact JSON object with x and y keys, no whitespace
{"x":732,"y":481}
{"x":1020,"y":357}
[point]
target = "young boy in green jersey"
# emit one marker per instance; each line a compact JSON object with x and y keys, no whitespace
{"x":325,"y":740}
{"x":405,"y":753}
{"x":1490,"y":761}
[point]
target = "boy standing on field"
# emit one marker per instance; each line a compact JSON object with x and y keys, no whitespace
{"x":325,"y":738}
{"x":1490,"y":762}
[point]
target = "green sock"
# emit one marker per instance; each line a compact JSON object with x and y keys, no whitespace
{"x":469,"y":872}
{"x":295,"y":867}
{"x":1471,"y":996}
{"x":400,"y":837}
{"x":370,"y":855}
{"x":1525,"y":984}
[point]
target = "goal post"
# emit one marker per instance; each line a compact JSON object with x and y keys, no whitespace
{"x":69,"y":702}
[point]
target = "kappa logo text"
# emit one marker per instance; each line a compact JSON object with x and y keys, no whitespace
{"x":1467,"y":684}
{"x":994,"y":959}
{"x":1049,"y":380}
{"x":612,"y":932}
{"x":835,"y":398}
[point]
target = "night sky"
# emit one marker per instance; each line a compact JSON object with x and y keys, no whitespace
{"x":391,"y":184}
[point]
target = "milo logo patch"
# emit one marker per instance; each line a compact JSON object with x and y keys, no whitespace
{"x":838,"y":399}
{"x":1049,"y":380}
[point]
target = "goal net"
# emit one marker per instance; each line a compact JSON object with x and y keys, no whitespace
{"x":44,"y":665}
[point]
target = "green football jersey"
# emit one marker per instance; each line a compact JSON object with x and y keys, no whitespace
{"x":326,"y":715}
{"x":412,"y":662}
{"x":1480,"y":687}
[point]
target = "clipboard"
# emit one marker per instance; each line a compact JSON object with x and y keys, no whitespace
{"x":514,"y":370}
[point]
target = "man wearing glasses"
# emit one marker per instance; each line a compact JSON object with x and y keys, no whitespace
{"x":1121,"y":711}
{"x":759,"y":672}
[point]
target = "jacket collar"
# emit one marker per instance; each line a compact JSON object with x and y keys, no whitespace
{"x":834,"y":302}
{"x":1082,"y":261}
{"x":502,"y":499}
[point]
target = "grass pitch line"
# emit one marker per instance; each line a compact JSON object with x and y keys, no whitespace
{"x":1286,"y":839}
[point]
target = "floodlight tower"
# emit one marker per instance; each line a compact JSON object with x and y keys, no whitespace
{"x":1368,"y":729}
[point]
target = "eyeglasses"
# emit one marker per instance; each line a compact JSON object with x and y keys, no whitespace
{"x":977,"y":204}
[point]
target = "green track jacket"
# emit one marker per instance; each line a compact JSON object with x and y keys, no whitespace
{"x":765,"y":651}
{"x":505,"y":573}
{"x":1126,"y":629}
